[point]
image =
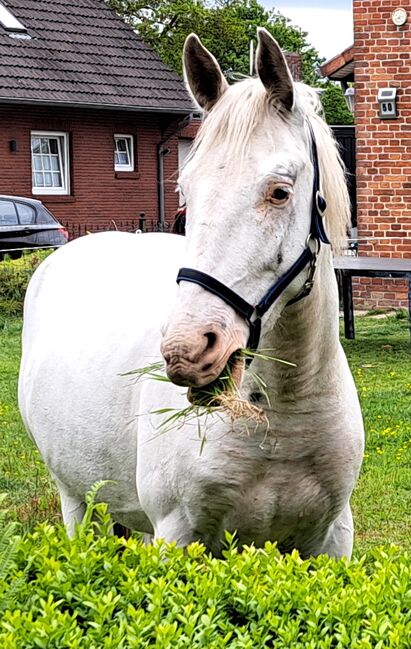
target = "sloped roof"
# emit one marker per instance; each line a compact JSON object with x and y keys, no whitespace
{"x":340,"y":67}
{"x":82,"y":53}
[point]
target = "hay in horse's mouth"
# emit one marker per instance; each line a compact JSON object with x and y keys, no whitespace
{"x":223,"y":393}
{"x":220,"y":395}
{"x":226,"y":383}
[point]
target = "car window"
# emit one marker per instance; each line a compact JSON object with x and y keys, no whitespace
{"x":27,"y":214}
{"x":44,"y":216}
{"x":8,"y":214}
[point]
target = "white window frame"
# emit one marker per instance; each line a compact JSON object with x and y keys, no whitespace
{"x":130,"y":139}
{"x":9,"y":21}
{"x":63,"y":161}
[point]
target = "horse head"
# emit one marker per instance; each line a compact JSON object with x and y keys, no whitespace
{"x":248,"y":187}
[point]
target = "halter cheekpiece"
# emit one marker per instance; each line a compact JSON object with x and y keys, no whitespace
{"x":253,"y":314}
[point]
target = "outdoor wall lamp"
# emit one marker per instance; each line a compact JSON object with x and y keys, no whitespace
{"x":387,"y":100}
{"x":350,"y":98}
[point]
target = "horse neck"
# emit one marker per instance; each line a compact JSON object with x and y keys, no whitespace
{"x":306,"y":334}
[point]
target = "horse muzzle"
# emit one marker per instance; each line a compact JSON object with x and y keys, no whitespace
{"x":196,"y":356}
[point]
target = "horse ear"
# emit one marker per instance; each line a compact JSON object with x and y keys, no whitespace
{"x":273,"y":70}
{"x":202,"y":73}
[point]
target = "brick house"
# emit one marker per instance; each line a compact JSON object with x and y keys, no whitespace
{"x":380,"y":59}
{"x":91,"y":120}
{"x":90,"y":117}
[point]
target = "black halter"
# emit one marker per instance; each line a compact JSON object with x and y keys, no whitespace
{"x":253,"y":314}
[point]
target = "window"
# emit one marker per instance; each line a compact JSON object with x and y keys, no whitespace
{"x":49,"y":155}
{"x":9,"y":21}
{"x":27,"y":214}
{"x":123,"y":153}
{"x":8,"y":214}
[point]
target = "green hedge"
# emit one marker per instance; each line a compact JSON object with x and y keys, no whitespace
{"x":15,"y":275}
{"x":101,"y":592}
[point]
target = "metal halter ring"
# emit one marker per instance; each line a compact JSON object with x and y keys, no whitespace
{"x":315,"y":241}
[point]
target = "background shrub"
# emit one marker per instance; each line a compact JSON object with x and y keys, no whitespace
{"x":15,"y":275}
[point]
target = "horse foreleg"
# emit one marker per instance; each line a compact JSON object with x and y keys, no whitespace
{"x":340,"y":537}
{"x":175,"y":527}
{"x":72,"y":509}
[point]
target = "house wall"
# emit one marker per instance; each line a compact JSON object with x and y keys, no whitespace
{"x":98,"y":194}
{"x":382,"y":60}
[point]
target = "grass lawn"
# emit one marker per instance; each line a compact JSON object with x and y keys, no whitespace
{"x":380,"y":360}
{"x":32,"y":495}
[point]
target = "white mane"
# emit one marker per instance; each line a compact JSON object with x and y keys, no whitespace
{"x":241,"y":110}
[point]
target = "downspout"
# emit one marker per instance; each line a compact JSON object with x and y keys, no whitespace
{"x":162,"y":151}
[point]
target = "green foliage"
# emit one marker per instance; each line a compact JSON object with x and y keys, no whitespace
{"x":8,"y":552}
{"x":8,"y":541}
{"x":336,"y":111}
{"x":225,"y":27}
{"x":101,"y":592}
{"x":15,"y":275}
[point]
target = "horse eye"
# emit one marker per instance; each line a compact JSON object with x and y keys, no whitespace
{"x":280,"y":195}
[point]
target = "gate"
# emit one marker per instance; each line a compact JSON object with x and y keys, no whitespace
{"x":345,"y":136}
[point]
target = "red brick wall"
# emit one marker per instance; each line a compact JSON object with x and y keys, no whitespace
{"x":294,"y":63}
{"x":190,"y":131}
{"x":382,"y":59}
{"x":98,"y":194}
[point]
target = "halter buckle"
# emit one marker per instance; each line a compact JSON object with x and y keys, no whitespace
{"x":309,"y":282}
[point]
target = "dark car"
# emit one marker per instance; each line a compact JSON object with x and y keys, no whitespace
{"x":25,"y":224}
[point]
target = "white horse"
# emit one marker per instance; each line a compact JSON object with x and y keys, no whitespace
{"x":95,"y":308}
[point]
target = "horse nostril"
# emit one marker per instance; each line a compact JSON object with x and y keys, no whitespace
{"x":206,"y":367}
{"x":212,"y":339}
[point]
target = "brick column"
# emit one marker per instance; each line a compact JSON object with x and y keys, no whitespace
{"x":383,"y":60}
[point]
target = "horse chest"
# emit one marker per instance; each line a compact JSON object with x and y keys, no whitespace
{"x":263,"y":497}
{"x":278,"y":503}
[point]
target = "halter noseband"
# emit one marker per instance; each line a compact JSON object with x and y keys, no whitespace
{"x":253,"y":314}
